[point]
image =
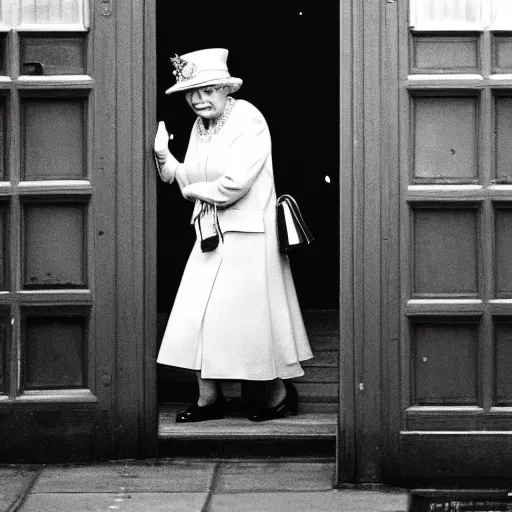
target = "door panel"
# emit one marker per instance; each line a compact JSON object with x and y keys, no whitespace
{"x":4,"y":251}
{"x":59,"y":151}
{"x":503,"y":342}
{"x":437,"y":54}
{"x":445,"y":362}
{"x":48,"y":386}
{"x":444,"y":251}
{"x":59,"y":54}
{"x":2,"y":133}
{"x":502,"y":244}
{"x":502,"y":53}
{"x":503,"y":133}
{"x":444,"y":136}
{"x":55,"y":349}
{"x":454,"y":210}
{"x":4,"y":344}
{"x":54,"y":245}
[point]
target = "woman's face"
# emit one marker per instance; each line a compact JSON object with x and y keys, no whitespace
{"x":207,"y":102}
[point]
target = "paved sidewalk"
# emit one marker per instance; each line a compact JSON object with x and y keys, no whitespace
{"x":188,"y":486}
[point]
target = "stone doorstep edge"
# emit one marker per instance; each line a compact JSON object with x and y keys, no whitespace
{"x":29,"y":480}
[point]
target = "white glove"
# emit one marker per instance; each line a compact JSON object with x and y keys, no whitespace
{"x":165,"y":161}
{"x":161,"y":140}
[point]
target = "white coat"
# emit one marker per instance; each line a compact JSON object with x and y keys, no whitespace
{"x":236,"y":313}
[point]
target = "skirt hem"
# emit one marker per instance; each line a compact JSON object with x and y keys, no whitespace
{"x":295,"y":373}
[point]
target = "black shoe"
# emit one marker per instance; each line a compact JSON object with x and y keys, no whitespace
{"x":290,"y":404}
{"x":213,"y":411}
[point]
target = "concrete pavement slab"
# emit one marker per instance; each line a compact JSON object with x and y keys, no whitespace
{"x":106,"y":502}
{"x":275,"y":476}
{"x":182,"y":476}
{"x":322,"y":501}
{"x":14,"y":482}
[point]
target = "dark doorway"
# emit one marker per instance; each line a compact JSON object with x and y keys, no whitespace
{"x":288,"y":57}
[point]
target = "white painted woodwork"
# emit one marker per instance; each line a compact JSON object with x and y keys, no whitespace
{"x":443,"y":301}
{"x":26,"y":13}
{"x":461,"y":14}
{"x":446,"y":77}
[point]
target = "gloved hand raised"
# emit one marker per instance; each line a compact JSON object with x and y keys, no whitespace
{"x":165,"y":161}
{"x":161,"y":140}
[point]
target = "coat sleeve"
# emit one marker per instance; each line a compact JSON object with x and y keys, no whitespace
{"x":244,"y":160}
{"x":170,"y":169}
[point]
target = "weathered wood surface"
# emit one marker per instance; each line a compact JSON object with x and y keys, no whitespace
{"x":308,"y":424}
{"x":450,"y":416}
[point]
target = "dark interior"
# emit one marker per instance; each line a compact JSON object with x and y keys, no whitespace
{"x":288,"y":57}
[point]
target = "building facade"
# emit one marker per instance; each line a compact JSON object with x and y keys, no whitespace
{"x":422,"y":274}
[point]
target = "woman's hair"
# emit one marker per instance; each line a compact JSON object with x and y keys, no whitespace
{"x":223,"y":86}
{"x":213,"y":86}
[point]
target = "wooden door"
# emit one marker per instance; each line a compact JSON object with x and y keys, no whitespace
{"x":451,"y":85}
{"x":73,"y":315}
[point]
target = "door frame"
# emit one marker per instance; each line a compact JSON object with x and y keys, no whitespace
{"x":369,"y":409}
{"x":123,"y":146}
{"x":360,"y":427}
{"x":150,"y":434}
{"x":352,"y":436}
{"x":346,"y":435}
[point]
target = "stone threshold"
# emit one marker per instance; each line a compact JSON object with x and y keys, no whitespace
{"x":309,"y":434}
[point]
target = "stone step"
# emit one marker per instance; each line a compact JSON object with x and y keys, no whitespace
{"x":305,"y":435}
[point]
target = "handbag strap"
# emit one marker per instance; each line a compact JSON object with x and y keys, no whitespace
{"x":204,"y":207}
{"x":294,"y":207}
{"x":218,"y":223}
{"x":199,"y":220}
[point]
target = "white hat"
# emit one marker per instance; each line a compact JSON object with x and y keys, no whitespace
{"x":202,"y":68}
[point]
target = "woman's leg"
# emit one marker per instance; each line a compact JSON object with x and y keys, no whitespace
{"x":282,"y":399}
{"x":209,"y":405}
{"x":267,"y":393}
{"x":208,"y":390}
{"x":276,"y":392}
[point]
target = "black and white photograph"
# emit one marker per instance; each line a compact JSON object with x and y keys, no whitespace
{"x":254,"y":256}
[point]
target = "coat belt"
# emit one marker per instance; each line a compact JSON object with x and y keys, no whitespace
{"x":248,"y":221}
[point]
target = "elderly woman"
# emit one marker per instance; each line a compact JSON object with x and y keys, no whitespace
{"x":236,"y":314}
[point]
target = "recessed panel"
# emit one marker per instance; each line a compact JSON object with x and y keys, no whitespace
{"x":503,"y":130}
{"x":445,"y":251}
{"x":445,"y":363}
{"x":55,"y":245}
{"x":3,"y":39}
{"x":3,"y":248}
{"x":54,"y":352}
{"x":445,"y":139}
{"x":4,"y":341}
{"x":3,"y":138}
{"x":53,"y":138}
{"x":502,"y":54}
{"x":503,"y":244}
{"x":53,"y":55}
{"x":444,"y":54}
{"x":503,"y":363}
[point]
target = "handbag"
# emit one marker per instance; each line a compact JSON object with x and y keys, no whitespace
{"x":291,"y":228}
{"x":209,"y":227}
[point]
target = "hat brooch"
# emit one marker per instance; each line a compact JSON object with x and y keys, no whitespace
{"x":183,"y":70}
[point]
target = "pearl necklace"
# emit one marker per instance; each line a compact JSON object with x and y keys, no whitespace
{"x":206,"y":134}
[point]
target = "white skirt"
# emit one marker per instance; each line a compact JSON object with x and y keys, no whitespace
{"x":221,"y":322}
